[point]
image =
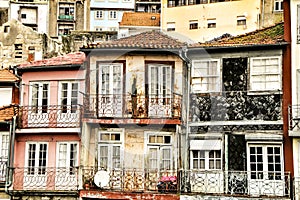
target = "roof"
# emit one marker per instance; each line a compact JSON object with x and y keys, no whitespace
{"x":151,"y":40}
{"x":7,"y":112}
{"x":68,"y":59}
{"x":7,"y":76}
{"x":268,"y":36}
{"x":140,"y":19}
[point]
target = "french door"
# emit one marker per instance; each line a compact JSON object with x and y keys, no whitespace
{"x":110,"y":90}
{"x":160,"y":93}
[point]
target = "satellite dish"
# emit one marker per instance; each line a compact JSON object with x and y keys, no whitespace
{"x":101,"y":178}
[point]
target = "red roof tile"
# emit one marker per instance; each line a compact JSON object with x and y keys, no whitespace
{"x":68,"y":59}
{"x":150,"y":40}
{"x":140,"y":19}
{"x":270,"y":35}
{"x":7,"y":76}
{"x":7,"y":112}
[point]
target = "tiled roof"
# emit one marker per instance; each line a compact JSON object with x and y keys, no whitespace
{"x":68,"y":59}
{"x":150,"y":40}
{"x":270,"y":35}
{"x":7,"y":76}
{"x":7,"y":112}
{"x":140,"y":19}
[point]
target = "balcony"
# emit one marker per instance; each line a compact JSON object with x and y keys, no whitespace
{"x":66,"y":17}
{"x":52,"y":116}
{"x":45,"y":179}
{"x":294,"y":118}
{"x":131,"y":180}
{"x":133,"y":106}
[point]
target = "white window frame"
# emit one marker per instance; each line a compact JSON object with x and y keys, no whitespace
{"x":4,"y":144}
{"x":68,"y":154}
{"x":259,"y":174}
{"x":211,"y":23}
{"x":278,"y":5}
{"x":99,"y":14}
{"x":70,"y":6}
{"x":69,"y":96}
{"x":159,"y":146}
{"x":111,"y":143}
{"x":254,"y":76}
{"x":113,"y":14}
{"x":241,"y":20}
{"x":171,"y":26}
{"x":6,"y":96}
{"x":198,"y":79}
{"x":193,"y":23}
{"x":40,"y":94}
{"x":36,"y":168}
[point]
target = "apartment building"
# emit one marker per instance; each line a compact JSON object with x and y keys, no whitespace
{"x":209,"y":19}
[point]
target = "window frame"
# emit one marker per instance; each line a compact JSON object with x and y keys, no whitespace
{"x":260,"y":174}
{"x":113,"y":15}
{"x":212,"y":23}
{"x":241,"y":20}
{"x":6,"y":96}
{"x":279,"y":4}
{"x":193,"y":24}
{"x":69,"y":106}
{"x":206,"y":158}
{"x":217,"y":76}
{"x":111,"y":144}
{"x":171,"y":26}
{"x":68,"y":155}
{"x":101,"y":15}
{"x":40,"y":95}
{"x":36,"y":167}
{"x":260,"y":74}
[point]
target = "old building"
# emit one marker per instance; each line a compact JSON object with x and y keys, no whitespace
{"x":47,"y":141}
{"x":19,"y":44}
{"x":137,"y":22}
{"x":209,"y":19}
{"x":131,"y":132}
{"x":236,"y":132}
{"x":9,"y":92}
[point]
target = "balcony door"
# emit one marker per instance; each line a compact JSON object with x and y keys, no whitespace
{"x":160,"y":94}
{"x":38,"y":112}
{"x":68,"y":112}
{"x":35,"y":173}
{"x":110,"y":98}
{"x":67,"y":163}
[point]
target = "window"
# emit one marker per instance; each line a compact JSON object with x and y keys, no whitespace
{"x":110,"y":148}
{"x":68,"y":96}
{"x":206,"y":76}
{"x":36,"y":158}
{"x":171,"y":26}
{"x":241,"y":20}
{"x":6,"y":96}
{"x":6,"y":28}
{"x":68,"y":155}
{"x":23,"y":16}
{"x":65,"y":29}
{"x":112,"y":14}
{"x":66,"y":11}
{"x":4,"y":145}
{"x":98,"y":28}
{"x":18,"y":50}
{"x":193,"y":24}
{"x":39,"y":93}
{"x":206,"y":154}
{"x":265,"y":73}
{"x":99,"y":14}
{"x":159,"y":151}
{"x":278,"y":5}
{"x":265,"y":161}
{"x":211,"y":23}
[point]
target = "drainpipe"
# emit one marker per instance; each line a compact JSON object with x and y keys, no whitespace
{"x":10,"y":161}
{"x":184,"y":57}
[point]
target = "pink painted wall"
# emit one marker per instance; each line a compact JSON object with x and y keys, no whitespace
{"x":51,"y":139}
{"x":53,"y":77}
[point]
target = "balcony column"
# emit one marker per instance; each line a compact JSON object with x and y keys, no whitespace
{"x":84,"y":157}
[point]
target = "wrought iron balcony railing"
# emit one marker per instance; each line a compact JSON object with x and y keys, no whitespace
{"x":45,"y":178}
{"x":133,"y":180}
{"x":239,"y":183}
{"x":51,"y":116}
{"x":133,"y":106}
{"x":294,"y":117}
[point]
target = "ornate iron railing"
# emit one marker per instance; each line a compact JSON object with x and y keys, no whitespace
{"x":133,"y":106}
{"x":51,"y":116}
{"x":236,"y":183}
{"x":133,"y":180}
{"x":3,"y":167}
{"x":47,"y":178}
{"x":294,"y":117}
